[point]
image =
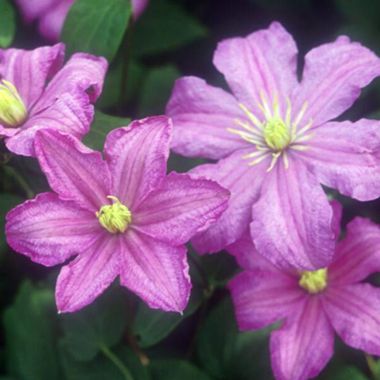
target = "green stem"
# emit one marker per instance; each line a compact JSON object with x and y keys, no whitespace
{"x":20,"y":180}
{"x":372,"y":365}
{"x":118,"y":363}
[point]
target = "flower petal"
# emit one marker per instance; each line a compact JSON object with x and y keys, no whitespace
{"x":71,"y":113}
{"x":180,"y":208}
{"x":155,"y":271}
{"x":137,"y":157}
{"x":138,"y":7}
{"x":32,"y":9}
{"x":86,"y":277}
{"x":358,"y":254}
{"x":244,"y":183}
{"x":292,"y":221}
{"x":354,"y":311}
{"x":332,"y":78}
{"x":201,"y":116}
{"x":303,"y":346}
{"x":75,"y":172}
{"x":264,"y":296}
{"x":264,"y":62}
{"x":346,"y":157}
{"x":29,"y":70}
{"x":50,"y":230}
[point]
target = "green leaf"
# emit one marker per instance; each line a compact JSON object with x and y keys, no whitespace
{"x":7,"y":202}
{"x":152,"y":326}
{"x":101,"y":126}
{"x":96,"y":26}
{"x":165,"y":26}
{"x":100,"y":324}
{"x":351,"y":373}
{"x":226,"y":353}
{"x":175,"y":370}
{"x":30,"y":325}
{"x":7,"y":23}
{"x":156,"y":90}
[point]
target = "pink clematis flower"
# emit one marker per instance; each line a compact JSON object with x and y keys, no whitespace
{"x":51,"y":14}
{"x":312,"y":304}
{"x":36,"y":92}
{"x":121,"y":216}
{"x":276,"y":143}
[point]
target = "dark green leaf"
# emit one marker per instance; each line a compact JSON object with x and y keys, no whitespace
{"x":226,"y":353}
{"x":151,"y":326}
{"x":7,"y":23}
{"x":156,"y":90}
{"x":165,"y":26}
{"x":175,"y":370}
{"x":7,"y":201}
{"x":96,"y":26}
{"x":101,"y":126}
{"x":100,"y":324}
{"x":350,"y":373}
{"x":30,"y":325}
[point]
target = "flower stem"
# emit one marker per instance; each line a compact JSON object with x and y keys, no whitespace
{"x":115,"y":360}
{"x":373,"y":367}
{"x":20,"y":180}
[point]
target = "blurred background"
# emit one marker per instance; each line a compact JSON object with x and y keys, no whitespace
{"x":171,"y":38}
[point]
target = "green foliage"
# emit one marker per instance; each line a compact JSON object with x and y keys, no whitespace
{"x":96,"y":26}
{"x":350,"y":373}
{"x":165,"y":26}
{"x":176,"y":370}
{"x":7,"y":23}
{"x":29,"y":330}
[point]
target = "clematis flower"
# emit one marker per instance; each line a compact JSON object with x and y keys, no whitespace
{"x":122,"y":216}
{"x":51,"y":14}
{"x":276,"y":142}
{"x":311,"y":305}
{"x":36,"y":92}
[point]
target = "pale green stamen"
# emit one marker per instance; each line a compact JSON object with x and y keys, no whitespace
{"x":114,"y":218}
{"x":276,"y":134}
{"x":12,"y":108}
{"x":314,"y":281}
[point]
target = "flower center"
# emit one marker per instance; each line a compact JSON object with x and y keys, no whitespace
{"x":314,"y":281}
{"x":276,"y":134}
{"x":114,"y":218}
{"x":12,"y":109}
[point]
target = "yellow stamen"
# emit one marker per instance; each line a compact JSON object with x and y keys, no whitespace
{"x":276,"y":134}
{"x":314,"y":281}
{"x":114,"y":218}
{"x":12,"y":109}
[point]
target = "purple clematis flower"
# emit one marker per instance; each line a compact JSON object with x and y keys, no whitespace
{"x":312,"y":304}
{"x":36,"y":92}
{"x":51,"y":14}
{"x":121,"y":216}
{"x":276,"y":143}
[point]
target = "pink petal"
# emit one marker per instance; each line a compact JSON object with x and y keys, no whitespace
{"x":358,"y":254}
{"x":354,"y":311}
{"x":75,"y":172}
{"x":32,"y":9}
{"x":86,"y":277}
{"x":180,"y":208}
{"x":49,"y":230}
{"x":337,"y":210}
{"x":333,"y":75}
{"x":264,"y":296}
{"x":292,"y":221}
{"x":71,"y":113}
{"x":346,"y":157}
{"x":244,"y":183}
{"x":201,"y":115}
{"x":265,"y":61}
{"x":303,"y":346}
{"x":155,"y":271}
{"x":138,"y":7}
{"x":29,"y":70}
{"x":137,"y":158}
{"x":51,"y":22}
{"x":83,"y":72}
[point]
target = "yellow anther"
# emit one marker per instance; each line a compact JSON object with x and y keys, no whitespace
{"x":12,"y":109}
{"x":314,"y":281}
{"x":114,"y":218}
{"x":276,"y":134}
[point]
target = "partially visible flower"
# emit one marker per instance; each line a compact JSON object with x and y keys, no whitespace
{"x":312,"y":305}
{"x":276,"y":143}
{"x":36,"y":92}
{"x":51,"y":14}
{"x":121,"y":216}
